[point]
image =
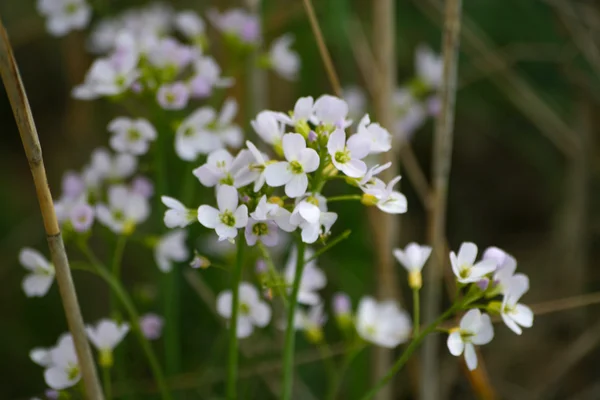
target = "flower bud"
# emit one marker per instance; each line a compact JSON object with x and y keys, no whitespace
{"x":342,"y":310}
{"x":495,"y":307}
{"x":368,"y":200}
{"x":483,"y":284}
{"x":276,"y":200}
{"x":314,"y":334}
{"x":312,"y":136}
{"x":260,"y":267}
{"x":199,"y":262}
{"x":415,"y":280}
{"x":128,"y":228}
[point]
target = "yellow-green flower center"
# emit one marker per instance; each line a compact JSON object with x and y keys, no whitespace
{"x":342,"y":156}
{"x":296,"y":167}
{"x":133,"y":135}
{"x":227,"y":218}
{"x":260,"y":229}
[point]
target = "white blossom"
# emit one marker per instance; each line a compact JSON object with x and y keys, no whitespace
{"x":252,"y":310}
{"x":151,"y":325}
{"x":189,"y":24}
{"x":382,"y":323}
{"x":177,"y":215}
{"x":192,"y":138}
{"x":207,"y":76}
{"x":303,"y":112}
{"x":237,"y":23}
{"x":429,"y":66}
{"x":171,"y":248}
{"x":313,"y":220}
{"x":108,"y":77}
{"x":378,"y":138}
{"x":64,"y":16}
{"x":514,"y":314}
{"x":284,"y":61}
{"x":331,"y":111}
{"x":107,"y":334}
{"x":221,"y":168}
{"x":131,"y":135}
{"x":475,"y":329}
{"x":386,"y":198}
{"x":125,"y":210}
{"x":268,"y":126}
{"x":38,"y":281}
{"x":413,"y":257}
{"x":228,"y":218}
{"x":347,"y":156}
{"x":464,"y":266}
{"x":292,"y":173}
{"x":410,"y":113}
{"x":173,"y":96}
{"x":63,"y":371}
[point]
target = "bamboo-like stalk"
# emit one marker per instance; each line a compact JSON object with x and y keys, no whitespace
{"x":385,"y":227}
{"x":22,"y":112}
{"x":442,"y":157}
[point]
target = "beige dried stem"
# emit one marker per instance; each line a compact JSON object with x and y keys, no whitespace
{"x":20,"y":105}
{"x":442,"y":157}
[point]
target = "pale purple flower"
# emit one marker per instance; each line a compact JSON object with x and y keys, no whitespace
{"x":151,"y":326}
{"x":173,"y":96}
{"x":189,"y":24}
{"x":207,"y":76}
{"x":64,"y":16}
{"x":72,"y":185}
{"x":170,"y":249}
{"x":131,"y":135}
{"x":168,"y":53}
{"x":342,"y":305}
{"x":82,"y":217}
{"x":237,"y":23}
{"x":142,"y":186}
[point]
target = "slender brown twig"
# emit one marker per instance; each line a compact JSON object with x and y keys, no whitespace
{"x":325,"y":56}
{"x":22,"y":112}
{"x":442,"y":158}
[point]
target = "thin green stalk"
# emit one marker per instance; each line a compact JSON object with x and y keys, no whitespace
{"x":134,"y":318}
{"x":336,"y":384}
{"x":116,"y":270}
{"x":416,"y":312}
{"x":344,"y":198}
{"x":107,"y":383}
{"x":327,"y":358}
{"x":232,"y":368}
{"x":413,"y":345}
{"x":290,"y":333}
{"x":343,"y":236}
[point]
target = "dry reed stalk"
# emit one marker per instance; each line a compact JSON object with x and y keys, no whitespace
{"x":24,"y":119}
{"x":442,"y":157}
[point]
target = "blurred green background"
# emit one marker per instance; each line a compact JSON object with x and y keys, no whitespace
{"x":528,"y":90}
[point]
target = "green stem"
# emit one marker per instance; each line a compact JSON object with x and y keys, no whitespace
{"x":327,"y":357}
{"x":290,"y":333}
{"x":134,"y":318}
{"x":232,"y":368}
{"x":343,"y":236}
{"x":336,"y":384}
{"x":116,"y":270}
{"x":413,"y":345}
{"x":345,"y":198}
{"x":107,"y":383}
{"x":416,"y":312}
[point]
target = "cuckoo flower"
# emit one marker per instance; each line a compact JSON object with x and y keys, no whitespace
{"x":65,"y":15}
{"x":268,"y":126}
{"x":347,"y":156}
{"x":124,"y":211}
{"x":192,"y":138}
{"x":171,"y":248}
{"x":377,"y":138}
{"x":38,"y":281}
{"x":108,"y":77}
{"x":105,"y":336}
{"x":413,"y":258}
{"x":292,"y":173}
{"x":63,"y":372}
{"x":382,"y":323}
{"x":331,"y":111}
{"x":131,"y":135}
{"x":151,"y":326}
{"x":429,"y":67}
{"x":464,"y":266}
{"x":311,"y":322}
{"x":189,"y":24}
{"x":475,"y":329}
{"x":221,"y":168}
{"x":284,"y":61}
{"x":303,"y":112}
{"x":173,"y":96}
{"x":228,"y":218}
{"x":384,"y":196}
{"x":207,"y":76}
{"x":514,"y":314}
{"x":177,"y":215}
{"x":252,"y":310}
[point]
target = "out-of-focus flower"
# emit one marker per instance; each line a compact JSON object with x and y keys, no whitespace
{"x":283,"y":59}
{"x":189,"y":24}
{"x":236,"y":23}
{"x":355,"y":97}
{"x":63,"y":371}
{"x":475,"y":329}
{"x":142,"y":186}
{"x":105,"y":336}
{"x":413,"y":258}
{"x":313,"y":279}
{"x":173,"y":96}
{"x":108,"y":77}
{"x":38,"y":281}
{"x":63,"y":16}
{"x":131,"y":135}
{"x":125,"y":210}
{"x":178,"y":215}
{"x":429,"y":66}
{"x":377,"y":138}
{"x":151,"y":326}
{"x":207,"y":76}
{"x":311,"y":322}
{"x":171,"y":248}
{"x":382,"y":323}
{"x":252,"y":310}
{"x":82,"y":217}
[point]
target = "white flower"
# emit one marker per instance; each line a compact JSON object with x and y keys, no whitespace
{"x":266,"y":211}
{"x":65,"y":15}
{"x":173,"y":96}
{"x":41,"y":356}
{"x":268,"y":126}
{"x":475,"y":329}
{"x":284,"y":61}
{"x":292,"y":173}
{"x":311,"y":322}
{"x":414,"y":256}
{"x":368,"y":180}
{"x":256,"y":170}
{"x":252,"y":310}
{"x":506,"y":266}
{"x":331,"y":111}
{"x":104,"y":166}
{"x":464,"y":266}
{"x":228,"y":218}
{"x":189,"y":24}
{"x":228,"y":133}
{"x":207,"y":76}
{"x":222,"y":169}
{"x":386,"y":198}
{"x":124,"y":211}
{"x":236,"y":22}
{"x":514,"y":314}
{"x":410,"y":113}
{"x":108,"y":77}
{"x":429,"y":66}
{"x":171,"y":248}
{"x":167,"y":53}
{"x":177,"y":215}
{"x":38,"y":282}
{"x":382,"y":323}
{"x":82,"y":217}
{"x":191,"y":137}
{"x":313,"y":279}
{"x":303,"y":112}
{"x":263,"y":231}
{"x":378,"y":138}
{"x":131,"y":135}
{"x":347,"y":156}
{"x":310,"y":218}
{"x":107,"y":334}
{"x":64,"y":371}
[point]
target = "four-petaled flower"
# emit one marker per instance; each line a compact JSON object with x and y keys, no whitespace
{"x":383,"y":324}
{"x":514,"y":314}
{"x":413,"y":258}
{"x":464,"y":266}
{"x":252,"y":310}
{"x":131,"y":135}
{"x":347,"y":156}
{"x":38,"y":282}
{"x":105,"y":336}
{"x":228,"y":218}
{"x":475,"y":329}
